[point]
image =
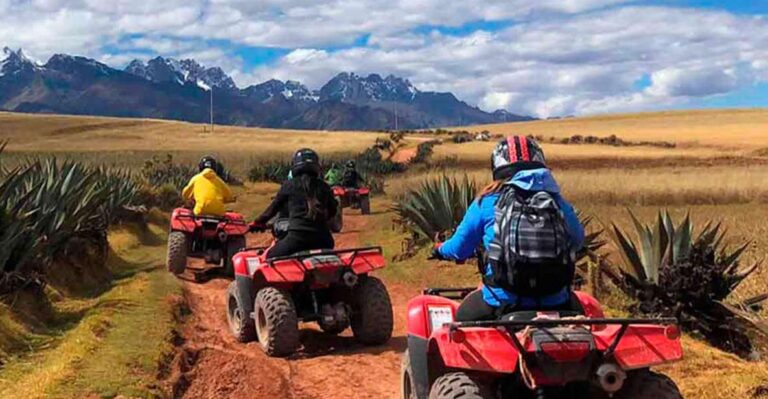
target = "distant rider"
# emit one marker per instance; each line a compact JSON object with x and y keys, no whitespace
{"x":524,"y":182}
{"x":208,"y":190}
{"x":334,"y":175}
{"x":351,"y":179}
{"x":310,"y":204}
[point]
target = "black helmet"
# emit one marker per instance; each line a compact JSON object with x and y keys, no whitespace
{"x":516,"y":153}
{"x":305,"y":160}
{"x":208,"y":162}
{"x":351,"y":164}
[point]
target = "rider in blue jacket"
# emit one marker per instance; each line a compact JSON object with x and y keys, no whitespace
{"x":517,"y":161}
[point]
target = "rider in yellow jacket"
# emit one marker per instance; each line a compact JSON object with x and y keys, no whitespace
{"x":209,"y":192}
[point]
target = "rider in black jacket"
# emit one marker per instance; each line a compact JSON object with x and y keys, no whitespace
{"x":351,"y":178}
{"x":310,"y":204}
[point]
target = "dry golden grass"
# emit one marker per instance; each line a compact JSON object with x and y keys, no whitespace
{"x":743,"y":129}
{"x":45,"y":133}
{"x":673,"y":186}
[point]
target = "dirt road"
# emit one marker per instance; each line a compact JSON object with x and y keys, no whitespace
{"x":212,"y":364}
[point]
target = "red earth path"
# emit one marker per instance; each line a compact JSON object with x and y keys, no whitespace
{"x":211,"y":364}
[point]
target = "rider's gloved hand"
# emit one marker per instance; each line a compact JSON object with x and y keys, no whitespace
{"x":256,"y":227}
{"x":436,"y":255}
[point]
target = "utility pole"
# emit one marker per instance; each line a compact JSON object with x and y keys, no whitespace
{"x":211,"y":109}
{"x":395,"y":104}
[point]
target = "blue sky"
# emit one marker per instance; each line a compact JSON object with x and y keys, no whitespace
{"x":544,"y":58}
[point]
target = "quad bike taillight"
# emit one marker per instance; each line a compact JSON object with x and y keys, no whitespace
{"x":672,"y":332}
{"x":458,"y":336}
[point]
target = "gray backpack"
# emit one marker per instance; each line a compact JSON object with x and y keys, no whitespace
{"x":530,"y":254}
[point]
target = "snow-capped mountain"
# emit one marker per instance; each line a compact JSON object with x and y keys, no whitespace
{"x":15,"y":61}
{"x":170,"y":70}
{"x":352,"y":88}
{"x":290,"y":90}
{"x":176,"y":89}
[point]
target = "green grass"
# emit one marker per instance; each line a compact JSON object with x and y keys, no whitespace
{"x":121,"y":339}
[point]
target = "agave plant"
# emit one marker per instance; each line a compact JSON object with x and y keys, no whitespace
{"x":273,"y":171}
{"x":45,"y":204}
{"x":669,"y":270}
{"x":436,"y":207}
{"x":159,"y":172}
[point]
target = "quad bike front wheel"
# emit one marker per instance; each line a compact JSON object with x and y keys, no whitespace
{"x":240,"y":324}
{"x":460,"y":386}
{"x":365,"y":205}
{"x":407,"y":386}
{"x":234,"y":245}
{"x":277,"y":325}
{"x":372,"y":318}
{"x":178,"y":245}
{"x":645,"y":384}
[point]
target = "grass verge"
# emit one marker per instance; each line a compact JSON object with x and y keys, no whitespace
{"x":121,"y":338}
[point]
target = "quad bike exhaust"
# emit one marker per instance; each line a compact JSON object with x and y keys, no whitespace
{"x":334,"y":318}
{"x":350,"y":279}
{"x":611,"y":378}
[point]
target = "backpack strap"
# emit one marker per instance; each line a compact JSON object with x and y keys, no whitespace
{"x":508,"y":196}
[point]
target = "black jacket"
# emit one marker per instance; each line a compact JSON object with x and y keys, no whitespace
{"x":292,"y":198}
{"x":351,"y":178}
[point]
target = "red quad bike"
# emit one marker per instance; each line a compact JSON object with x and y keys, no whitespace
{"x":269,"y":297}
{"x":357,"y":198}
{"x":537,"y":355}
{"x":212,"y":238}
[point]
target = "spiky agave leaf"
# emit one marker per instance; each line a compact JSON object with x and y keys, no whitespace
{"x":629,"y":254}
{"x":436,"y":207}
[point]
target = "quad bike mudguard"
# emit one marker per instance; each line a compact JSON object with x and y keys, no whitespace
{"x":435,"y":342}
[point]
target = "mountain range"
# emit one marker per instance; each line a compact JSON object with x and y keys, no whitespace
{"x":167,"y":88}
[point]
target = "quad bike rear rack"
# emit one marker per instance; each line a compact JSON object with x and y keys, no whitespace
{"x":212,"y":218}
{"x":449,"y":293}
{"x":300,"y":256}
{"x":515,"y":325}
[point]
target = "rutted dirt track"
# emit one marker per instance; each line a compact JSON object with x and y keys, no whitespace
{"x":212,"y":364}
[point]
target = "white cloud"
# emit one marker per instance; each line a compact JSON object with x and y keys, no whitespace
{"x":558,"y":57}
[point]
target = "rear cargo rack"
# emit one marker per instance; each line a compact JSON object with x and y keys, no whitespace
{"x":449,"y":293}
{"x":216,"y":218}
{"x":549,"y":323}
{"x":309,"y":254}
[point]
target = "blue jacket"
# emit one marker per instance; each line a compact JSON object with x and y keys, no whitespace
{"x":478,"y":226}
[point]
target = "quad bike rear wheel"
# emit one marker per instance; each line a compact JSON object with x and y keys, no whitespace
{"x":234,"y":244}
{"x":407,"y":386}
{"x":460,"y":386}
{"x":365,"y":205}
{"x":178,"y":245}
{"x":645,"y":384}
{"x":240,"y":324}
{"x":371,"y":312}
{"x":277,"y":325}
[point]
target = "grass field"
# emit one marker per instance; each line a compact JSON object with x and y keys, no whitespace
{"x":730,"y":129}
{"x":717,"y":171}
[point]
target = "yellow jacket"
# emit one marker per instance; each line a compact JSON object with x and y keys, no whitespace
{"x":209,"y":192}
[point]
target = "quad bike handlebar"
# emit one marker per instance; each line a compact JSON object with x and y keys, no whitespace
{"x":255,"y":227}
